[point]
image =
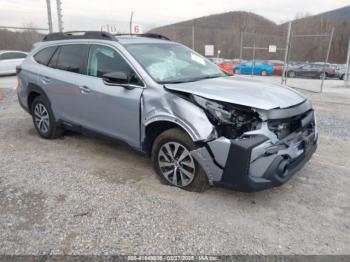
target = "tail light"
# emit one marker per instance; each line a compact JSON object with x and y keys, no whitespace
{"x":18,"y":71}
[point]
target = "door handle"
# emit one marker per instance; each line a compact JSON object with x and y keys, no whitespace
{"x":84,"y":90}
{"x":45,"y":80}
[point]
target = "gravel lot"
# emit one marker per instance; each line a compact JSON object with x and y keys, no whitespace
{"x":80,"y":195}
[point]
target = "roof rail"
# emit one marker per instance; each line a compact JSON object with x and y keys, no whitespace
{"x":79,"y":35}
{"x":149,"y":35}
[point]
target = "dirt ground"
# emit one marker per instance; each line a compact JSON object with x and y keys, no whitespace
{"x":81,"y":195}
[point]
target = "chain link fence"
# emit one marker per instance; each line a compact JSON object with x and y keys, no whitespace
{"x":307,"y":57}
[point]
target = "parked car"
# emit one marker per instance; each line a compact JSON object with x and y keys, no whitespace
{"x":227,"y":66}
{"x":9,"y":60}
{"x":257,"y":68}
{"x":277,"y":66}
{"x":311,"y":71}
{"x":199,"y":126}
{"x":330,"y":69}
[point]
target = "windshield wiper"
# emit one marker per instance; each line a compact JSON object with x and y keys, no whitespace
{"x":190,"y":80}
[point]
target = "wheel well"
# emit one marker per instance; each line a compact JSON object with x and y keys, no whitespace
{"x":31,"y":98}
{"x":154,"y":129}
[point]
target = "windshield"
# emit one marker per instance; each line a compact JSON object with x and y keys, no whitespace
{"x":173,"y":63}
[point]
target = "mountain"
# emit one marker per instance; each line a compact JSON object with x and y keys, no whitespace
{"x":225,"y":31}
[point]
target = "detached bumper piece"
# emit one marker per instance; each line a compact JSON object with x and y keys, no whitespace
{"x":238,"y":175}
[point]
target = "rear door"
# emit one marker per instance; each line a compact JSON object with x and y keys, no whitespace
{"x":62,"y":80}
{"x":110,"y":109}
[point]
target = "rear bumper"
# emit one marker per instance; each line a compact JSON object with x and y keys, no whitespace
{"x":22,"y":104}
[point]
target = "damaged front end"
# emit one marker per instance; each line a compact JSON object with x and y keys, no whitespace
{"x":256,"y":149}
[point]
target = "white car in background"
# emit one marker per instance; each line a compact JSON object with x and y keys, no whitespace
{"x":9,"y":59}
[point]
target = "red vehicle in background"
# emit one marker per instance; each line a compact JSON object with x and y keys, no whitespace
{"x":277,"y":66}
{"x":225,"y":64}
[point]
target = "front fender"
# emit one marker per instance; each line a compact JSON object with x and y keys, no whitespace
{"x":173,"y":108}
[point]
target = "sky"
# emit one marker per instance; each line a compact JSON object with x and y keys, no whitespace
{"x":93,"y":14}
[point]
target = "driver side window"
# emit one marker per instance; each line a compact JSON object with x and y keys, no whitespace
{"x":103,"y":60}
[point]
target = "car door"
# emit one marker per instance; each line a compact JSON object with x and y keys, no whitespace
{"x":61,"y":80}
{"x":304,"y":71}
{"x":112,"y":110}
{"x":246,"y":68}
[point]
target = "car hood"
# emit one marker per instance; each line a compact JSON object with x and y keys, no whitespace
{"x":242,"y":91}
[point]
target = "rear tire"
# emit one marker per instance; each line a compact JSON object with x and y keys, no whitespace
{"x":174,"y":164}
{"x":44,"y":120}
{"x":342,"y":77}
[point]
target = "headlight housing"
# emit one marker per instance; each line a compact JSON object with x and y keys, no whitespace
{"x":215,"y":109}
{"x":230,"y":120}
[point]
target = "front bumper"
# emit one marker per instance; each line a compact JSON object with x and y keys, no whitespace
{"x":255,"y":163}
{"x":268,"y":171}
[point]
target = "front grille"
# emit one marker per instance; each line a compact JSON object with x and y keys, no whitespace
{"x":286,"y":126}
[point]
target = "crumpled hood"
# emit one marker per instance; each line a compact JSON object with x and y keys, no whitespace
{"x":242,"y":91}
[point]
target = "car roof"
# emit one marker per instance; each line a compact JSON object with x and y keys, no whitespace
{"x":15,"y":51}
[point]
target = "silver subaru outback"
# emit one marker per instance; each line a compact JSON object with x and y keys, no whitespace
{"x":200,"y":126}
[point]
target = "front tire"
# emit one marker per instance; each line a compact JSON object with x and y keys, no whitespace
{"x":291,"y":74}
{"x":263,"y":73}
{"x":44,"y":120}
{"x":174,"y":163}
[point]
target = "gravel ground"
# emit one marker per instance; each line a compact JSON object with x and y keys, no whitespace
{"x":80,"y":195}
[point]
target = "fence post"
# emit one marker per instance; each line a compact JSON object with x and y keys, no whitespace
{"x":241,"y":47}
{"x":327,"y":57}
{"x":347,"y":68}
{"x":284,"y":77}
{"x":193,"y":36}
{"x":253,"y":62}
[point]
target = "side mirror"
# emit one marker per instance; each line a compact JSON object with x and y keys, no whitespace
{"x":116,"y":78}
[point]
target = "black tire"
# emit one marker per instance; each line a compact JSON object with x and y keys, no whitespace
{"x":342,"y":77}
{"x":263,"y":73}
{"x":53,"y":129}
{"x":291,"y":74}
{"x":175,"y":135}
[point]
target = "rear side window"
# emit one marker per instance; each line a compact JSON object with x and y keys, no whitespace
{"x":12,"y":55}
{"x":43,"y":56}
{"x":70,"y":58}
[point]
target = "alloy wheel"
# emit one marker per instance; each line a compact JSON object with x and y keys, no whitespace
{"x":176,"y":164}
{"x":41,"y":118}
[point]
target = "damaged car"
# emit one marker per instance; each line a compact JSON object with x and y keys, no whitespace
{"x":200,"y":126}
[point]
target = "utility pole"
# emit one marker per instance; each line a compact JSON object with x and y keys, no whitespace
{"x":49,"y":17}
{"x":131,"y":17}
{"x":59,"y":15}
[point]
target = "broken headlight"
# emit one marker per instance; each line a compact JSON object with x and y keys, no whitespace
{"x":231,"y":120}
